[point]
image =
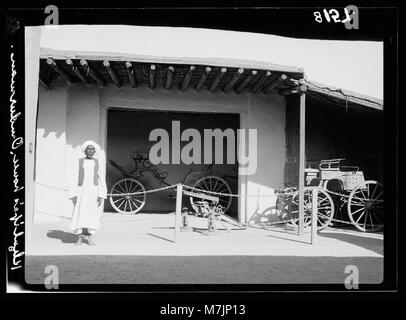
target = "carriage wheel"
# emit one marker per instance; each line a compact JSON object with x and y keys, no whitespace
{"x":325,"y":209}
{"x":214,"y":184}
{"x":365,"y":206}
{"x":127,"y":203}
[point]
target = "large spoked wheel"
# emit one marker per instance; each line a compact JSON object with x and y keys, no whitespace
{"x":122,"y":202}
{"x":365,"y":206}
{"x":213,"y":184}
{"x":325,"y":209}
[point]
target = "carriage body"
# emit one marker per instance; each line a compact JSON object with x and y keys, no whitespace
{"x":349,"y":176}
{"x":363,"y":199}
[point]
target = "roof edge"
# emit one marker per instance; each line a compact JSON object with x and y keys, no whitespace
{"x":212,"y":61}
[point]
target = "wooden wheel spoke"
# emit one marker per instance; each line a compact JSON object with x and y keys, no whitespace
{"x":134,"y":203}
{"x":328,"y":207}
{"x":366,"y":217}
{"x":373,"y":193}
{"x":378,"y":196}
{"x":119,"y":185}
{"x":360,"y":216}
{"x":214,"y":188}
{"x":357,"y":204}
{"x":129,"y":203}
{"x":363,"y":200}
{"x":323,"y":200}
{"x":363,"y":208}
{"x":118,"y":199}
{"x":380,"y":222}
{"x":121,"y":203}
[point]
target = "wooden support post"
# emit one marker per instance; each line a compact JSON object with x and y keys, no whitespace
{"x":275,"y":83}
{"x":186,"y":80}
{"x":169,"y":77}
{"x":295,"y":90}
{"x":203,"y":78}
{"x":43,"y":84}
{"x":112,"y":74}
{"x":314,"y":215}
{"x":89,"y":70}
{"x":151,"y":82}
{"x":261,"y":81}
{"x":178,"y":212}
{"x":302,"y":161}
{"x":77,"y":71}
{"x":217,"y":80}
{"x":131,"y":74}
{"x":247,"y":79}
{"x":59,"y":70}
{"x":234,"y":79}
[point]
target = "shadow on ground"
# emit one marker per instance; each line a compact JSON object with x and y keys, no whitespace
{"x":64,"y":237}
{"x":369,"y":243}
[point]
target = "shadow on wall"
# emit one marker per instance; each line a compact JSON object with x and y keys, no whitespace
{"x":52,"y":110}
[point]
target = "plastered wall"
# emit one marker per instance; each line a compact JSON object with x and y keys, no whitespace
{"x":70,"y":115}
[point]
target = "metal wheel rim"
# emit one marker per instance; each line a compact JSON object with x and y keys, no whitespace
{"x":363,"y":217}
{"x":131,"y":204}
{"x":215,"y":184}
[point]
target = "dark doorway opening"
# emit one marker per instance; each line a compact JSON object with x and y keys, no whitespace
{"x":129,"y":130}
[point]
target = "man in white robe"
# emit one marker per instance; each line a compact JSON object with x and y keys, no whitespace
{"x":87,"y":191}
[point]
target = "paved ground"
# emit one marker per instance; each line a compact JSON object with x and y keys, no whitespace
{"x":141,"y":249}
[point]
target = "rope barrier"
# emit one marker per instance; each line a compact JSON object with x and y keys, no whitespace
{"x":51,"y":187}
{"x":142,"y":192}
{"x":239,"y":195}
{"x":286,"y":193}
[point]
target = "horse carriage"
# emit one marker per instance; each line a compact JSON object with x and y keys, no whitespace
{"x":129,"y":194}
{"x":362,"y":199}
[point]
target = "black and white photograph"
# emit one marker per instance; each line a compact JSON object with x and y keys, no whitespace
{"x":168,"y":154}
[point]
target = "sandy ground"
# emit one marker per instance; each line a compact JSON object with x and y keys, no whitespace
{"x":141,"y":250}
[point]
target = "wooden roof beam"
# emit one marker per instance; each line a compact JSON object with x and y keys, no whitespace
{"x":43,"y":84}
{"x":217,"y":80}
{"x":151,"y":82}
{"x":275,"y":83}
{"x":89,"y":70}
{"x":247,"y":79}
{"x":112,"y":74}
{"x":169,"y":77}
{"x":77,"y":71}
{"x":51,"y":62}
{"x":203,"y":78}
{"x":131,"y":74}
{"x":187,"y":78}
{"x":294,"y":90}
{"x":233,"y":80}
{"x":261,"y":81}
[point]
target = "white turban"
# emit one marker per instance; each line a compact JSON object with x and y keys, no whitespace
{"x":90,"y":143}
